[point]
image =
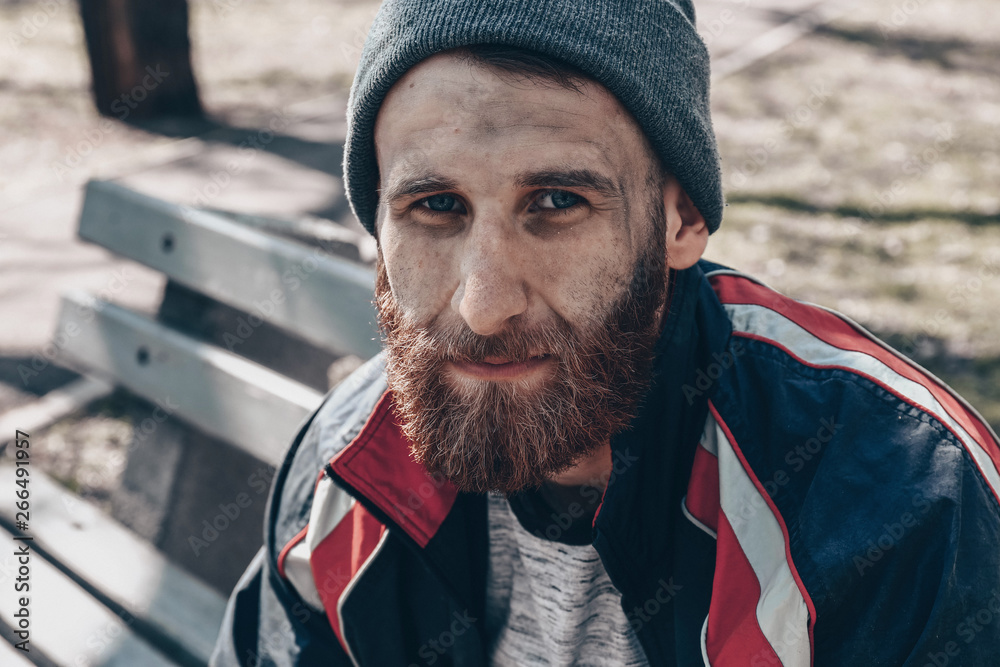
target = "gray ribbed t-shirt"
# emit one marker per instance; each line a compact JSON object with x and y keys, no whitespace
{"x":549,"y":603}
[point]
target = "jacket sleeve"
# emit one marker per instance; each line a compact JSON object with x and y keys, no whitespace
{"x":925,"y":581}
{"x":266,"y":625}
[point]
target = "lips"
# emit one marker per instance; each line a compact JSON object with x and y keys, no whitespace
{"x":500,"y":361}
{"x":500,"y":368}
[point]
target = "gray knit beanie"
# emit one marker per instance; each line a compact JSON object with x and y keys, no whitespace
{"x":646,"y":52}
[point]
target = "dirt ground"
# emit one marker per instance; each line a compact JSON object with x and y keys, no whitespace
{"x":861,"y":162}
{"x":861,"y":166}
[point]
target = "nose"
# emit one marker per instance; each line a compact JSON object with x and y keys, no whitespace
{"x":493,"y":287}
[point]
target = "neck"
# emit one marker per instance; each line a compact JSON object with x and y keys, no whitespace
{"x":593,"y":470}
{"x":569,"y":493}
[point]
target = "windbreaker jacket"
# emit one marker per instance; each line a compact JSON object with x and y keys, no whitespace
{"x":792,"y":492}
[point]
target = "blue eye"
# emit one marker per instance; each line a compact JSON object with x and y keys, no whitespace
{"x":440,"y":203}
{"x":559,"y":199}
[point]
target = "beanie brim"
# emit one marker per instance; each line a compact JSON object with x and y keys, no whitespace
{"x":647,"y":54}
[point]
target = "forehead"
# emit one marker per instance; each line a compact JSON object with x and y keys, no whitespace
{"x":446,"y":110}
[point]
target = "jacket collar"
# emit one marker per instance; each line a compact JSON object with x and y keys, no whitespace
{"x":446,"y":529}
{"x":378,"y":465}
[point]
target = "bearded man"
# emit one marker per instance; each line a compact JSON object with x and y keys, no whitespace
{"x":583,"y":444}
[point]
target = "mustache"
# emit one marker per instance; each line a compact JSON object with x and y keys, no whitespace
{"x":516,"y":341}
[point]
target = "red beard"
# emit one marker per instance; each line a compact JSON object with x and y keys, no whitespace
{"x":510,"y":436}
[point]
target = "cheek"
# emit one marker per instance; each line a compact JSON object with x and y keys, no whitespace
{"x":585,"y":281}
{"x":420,"y":278}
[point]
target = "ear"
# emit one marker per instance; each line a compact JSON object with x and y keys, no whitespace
{"x":687,"y":232}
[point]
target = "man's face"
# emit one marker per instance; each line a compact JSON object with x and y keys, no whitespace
{"x":521,"y":271}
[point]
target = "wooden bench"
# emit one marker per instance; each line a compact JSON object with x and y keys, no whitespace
{"x":99,"y":594}
{"x":320,"y":297}
{"x":104,"y":595}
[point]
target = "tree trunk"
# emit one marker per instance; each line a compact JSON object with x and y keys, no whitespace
{"x":140,"y":58}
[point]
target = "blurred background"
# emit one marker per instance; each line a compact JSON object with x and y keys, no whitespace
{"x":861,"y":156}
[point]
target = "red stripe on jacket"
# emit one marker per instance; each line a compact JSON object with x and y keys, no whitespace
{"x":337,"y":559}
{"x":734,"y":636}
{"x":781,"y":523}
{"x":378,"y":464}
{"x":702,"y":499}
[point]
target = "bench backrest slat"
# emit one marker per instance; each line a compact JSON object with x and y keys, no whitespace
{"x":322,"y":298}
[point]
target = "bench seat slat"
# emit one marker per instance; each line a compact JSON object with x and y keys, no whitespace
{"x":68,"y":625}
{"x":122,"y":566}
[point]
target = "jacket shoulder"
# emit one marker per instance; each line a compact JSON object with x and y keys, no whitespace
{"x":331,"y":427}
{"x":880,"y":481}
{"x":800,"y":359}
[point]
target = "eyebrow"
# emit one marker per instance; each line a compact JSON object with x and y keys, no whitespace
{"x":426,"y":184}
{"x":572,"y":178}
{"x":548,"y":178}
